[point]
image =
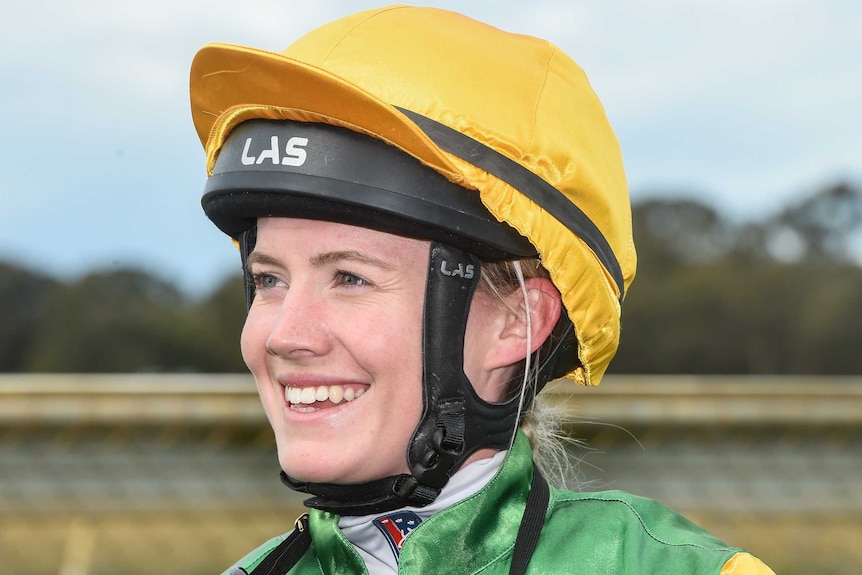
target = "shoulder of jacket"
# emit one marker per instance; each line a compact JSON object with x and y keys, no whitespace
{"x":653,"y":523}
{"x":625,"y":533}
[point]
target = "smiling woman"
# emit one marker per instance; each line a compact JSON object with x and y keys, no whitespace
{"x":434,"y":222}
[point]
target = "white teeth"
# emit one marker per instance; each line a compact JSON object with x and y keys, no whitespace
{"x":308,"y":395}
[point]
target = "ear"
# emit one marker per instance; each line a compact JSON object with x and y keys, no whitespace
{"x":544,"y":304}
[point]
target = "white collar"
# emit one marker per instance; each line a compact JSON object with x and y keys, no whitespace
{"x":375,"y":548}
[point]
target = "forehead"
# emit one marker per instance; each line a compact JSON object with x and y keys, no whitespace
{"x":301,"y":235}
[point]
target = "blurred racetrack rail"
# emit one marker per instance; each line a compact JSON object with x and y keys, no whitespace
{"x":143,"y":474}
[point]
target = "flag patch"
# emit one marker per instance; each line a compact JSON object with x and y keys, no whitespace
{"x":396,"y":527}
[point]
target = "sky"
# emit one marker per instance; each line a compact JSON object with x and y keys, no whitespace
{"x":743,"y":105}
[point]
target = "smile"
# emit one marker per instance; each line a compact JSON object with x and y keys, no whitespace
{"x":302,"y":398}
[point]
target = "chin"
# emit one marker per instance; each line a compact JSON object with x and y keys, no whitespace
{"x":317,"y":471}
{"x":332,"y":472}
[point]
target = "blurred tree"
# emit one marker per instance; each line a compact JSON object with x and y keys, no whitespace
{"x":22,"y":309}
{"x":831,"y":321}
{"x":214,"y":327}
{"x":761,"y":297}
{"x":822,"y":222}
{"x":673,"y":233}
{"x":814,"y":230}
{"x":111,"y":321}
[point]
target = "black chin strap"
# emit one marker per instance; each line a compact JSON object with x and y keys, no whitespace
{"x":370,"y":498}
{"x":455,"y":422}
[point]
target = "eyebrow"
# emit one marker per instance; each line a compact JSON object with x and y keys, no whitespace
{"x":350,"y":255}
{"x":326,"y":258}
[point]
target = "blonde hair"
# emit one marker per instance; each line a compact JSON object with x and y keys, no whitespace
{"x":542,"y":422}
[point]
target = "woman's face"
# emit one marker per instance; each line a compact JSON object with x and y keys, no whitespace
{"x":333,"y":339}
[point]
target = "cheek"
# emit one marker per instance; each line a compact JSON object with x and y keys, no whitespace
{"x":252,"y":341}
{"x":393,"y":350}
{"x":397,"y":348}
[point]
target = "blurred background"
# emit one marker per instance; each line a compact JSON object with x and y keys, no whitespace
{"x":131,"y":439}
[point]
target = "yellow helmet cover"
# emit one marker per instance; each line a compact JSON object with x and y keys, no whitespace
{"x":443,"y":87}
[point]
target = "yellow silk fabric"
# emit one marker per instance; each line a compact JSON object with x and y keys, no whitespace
{"x":519,"y":95}
{"x":745,"y":564}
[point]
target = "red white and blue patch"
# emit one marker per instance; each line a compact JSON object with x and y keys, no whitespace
{"x":396,"y":527}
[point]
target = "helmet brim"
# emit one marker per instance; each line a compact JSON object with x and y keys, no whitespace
{"x":227,"y":77}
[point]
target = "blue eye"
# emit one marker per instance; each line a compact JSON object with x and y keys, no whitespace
{"x":349,"y":279}
{"x":263,"y":281}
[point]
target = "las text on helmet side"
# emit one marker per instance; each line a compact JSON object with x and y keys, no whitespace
{"x":294,"y":152}
{"x":460,"y":270}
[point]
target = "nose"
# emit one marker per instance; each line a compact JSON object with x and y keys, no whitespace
{"x":299,"y":328}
